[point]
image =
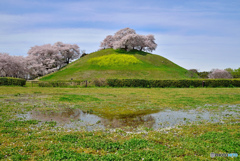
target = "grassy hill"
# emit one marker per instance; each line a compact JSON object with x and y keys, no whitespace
{"x":110,"y":63}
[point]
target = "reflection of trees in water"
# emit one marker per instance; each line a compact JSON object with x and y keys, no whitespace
{"x":69,"y":114}
{"x":60,"y":116}
{"x":132,"y":122}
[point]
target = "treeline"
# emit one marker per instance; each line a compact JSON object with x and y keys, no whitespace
{"x":41,"y":60}
{"x":216,"y":73}
{"x":234,"y":72}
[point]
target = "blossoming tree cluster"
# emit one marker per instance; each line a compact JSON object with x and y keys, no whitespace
{"x":127,"y":39}
{"x":218,"y":73}
{"x":48,"y":58}
{"x":12,"y":66}
{"x":41,"y":60}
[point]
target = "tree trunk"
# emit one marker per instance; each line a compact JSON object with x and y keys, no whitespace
{"x":125,"y":48}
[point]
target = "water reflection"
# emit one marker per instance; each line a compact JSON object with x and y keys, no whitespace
{"x":64,"y":116}
{"x":130,"y":122}
{"x":76,"y":119}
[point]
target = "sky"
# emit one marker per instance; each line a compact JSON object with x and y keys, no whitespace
{"x":195,"y":34}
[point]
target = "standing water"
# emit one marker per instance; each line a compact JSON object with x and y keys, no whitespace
{"x":77,"y":119}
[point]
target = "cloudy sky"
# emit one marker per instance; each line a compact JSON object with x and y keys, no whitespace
{"x":195,"y":34}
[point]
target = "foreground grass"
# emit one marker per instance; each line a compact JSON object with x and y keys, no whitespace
{"x":117,"y":101}
{"x":27,"y":140}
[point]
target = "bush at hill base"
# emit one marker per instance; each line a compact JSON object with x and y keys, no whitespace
{"x":8,"y":81}
{"x":173,"y":83}
{"x":185,"y":83}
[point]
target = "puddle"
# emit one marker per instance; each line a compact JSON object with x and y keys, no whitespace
{"x":77,"y":119}
{"x":68,"y":118}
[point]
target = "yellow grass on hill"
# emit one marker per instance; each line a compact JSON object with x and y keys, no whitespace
{"x":114,"y":60}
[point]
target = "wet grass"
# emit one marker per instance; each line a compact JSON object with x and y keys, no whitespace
{"x":28,"y":140}
{"x":78,"y":98}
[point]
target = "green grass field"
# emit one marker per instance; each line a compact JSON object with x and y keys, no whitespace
{"x":24,"y":139}
{"x":111,"y":63}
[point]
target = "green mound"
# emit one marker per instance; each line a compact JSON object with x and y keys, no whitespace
{"x":119,"y":64}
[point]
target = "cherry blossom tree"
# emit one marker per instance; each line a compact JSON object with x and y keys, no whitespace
{"x":5,"y":63}
{"x":19,"y":67}
{"x":43,"y":59}
{"x":107,"y":42}
{"x":130,"y":42}
{"x":140,"y":42}
{"x":40,"y":61}
{"x":150,"y":44}
{"x":123,"y":32}
{"x":48,"y":58}
{"x":69,"y":52}
{"x":12,"y":66}
{"x":35,"y":67}
{"x":135,"y":41}
{"x":218,"y":73}
{"x":127,"y":39}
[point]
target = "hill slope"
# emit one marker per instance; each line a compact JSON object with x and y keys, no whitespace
{"x":111,"y":63}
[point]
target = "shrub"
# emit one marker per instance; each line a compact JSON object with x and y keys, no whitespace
{"x":8,"y":81}
{"x":66,"y":83}
{"x":44,"y":84}
{"x":234,"y":72}
{"x":100,"y":82}
{"x":203,"y":75}
{"x":173,"y":83}
{"x":53,"y":84}
{"x":193,"y":73}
